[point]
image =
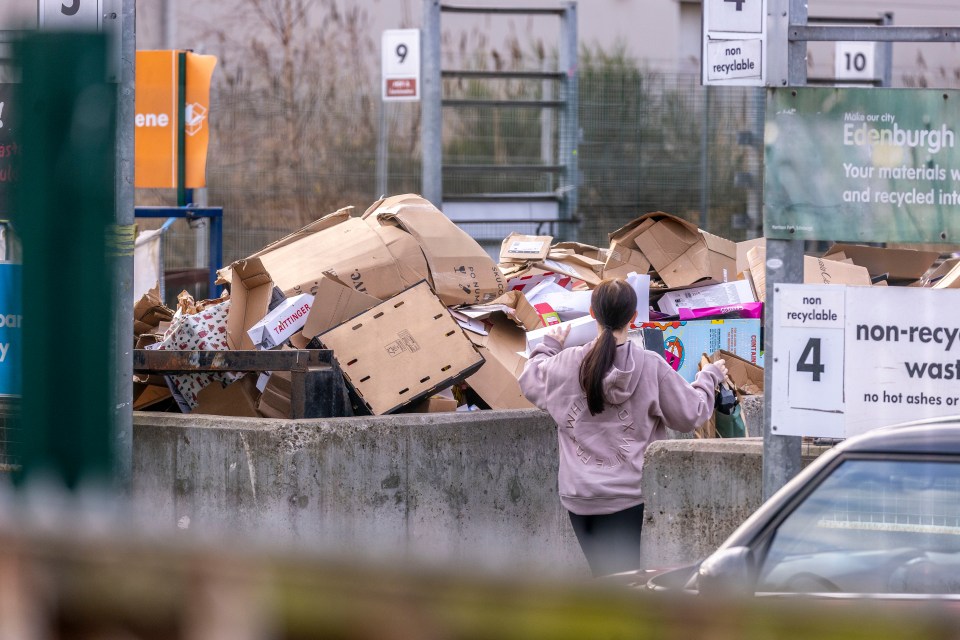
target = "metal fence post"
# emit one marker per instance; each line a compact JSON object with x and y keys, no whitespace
{"x":431,"y":107}
{"x":570,"y":122}
{"x":781,"y":454}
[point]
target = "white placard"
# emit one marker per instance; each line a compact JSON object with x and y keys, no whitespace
{"x":732,"y":59}
{"x":854,"y":61}
{"x":736,"y":16}
{"x":849,"y":359}
{"x":734,"y":42}
{"x":71,"y":15}
{"x":400,"y":65}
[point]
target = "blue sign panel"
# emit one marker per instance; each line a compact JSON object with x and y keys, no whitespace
{"x":11,"y":340}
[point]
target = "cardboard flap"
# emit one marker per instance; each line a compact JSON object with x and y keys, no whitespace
{"x":900,"y":264}
{"x":351,"y":250}
{"x":523,"y":314}
{"x":336,"y":303}
{"x":496,"y":381}
{"x":401,"y":350}
{"x":330,"y":220}
{"x":815,"y":271}
{"x":746,"y":376}
{"x":249,"y":301}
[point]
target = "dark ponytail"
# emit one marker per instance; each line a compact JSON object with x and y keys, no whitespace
{"x":613,"y":303}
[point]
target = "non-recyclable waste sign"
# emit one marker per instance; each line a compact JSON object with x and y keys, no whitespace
{"x":848,"y":359}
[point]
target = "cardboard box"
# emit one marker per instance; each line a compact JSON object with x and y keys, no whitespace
{"x":401,"y":350}
{"x":522,"y":248}
{"x":335,"y":304}
{"x":350,"y":252}
{"x":623,"y":255}
{"x":746,"y":376}
{"x":502,"y":349}
{"x":275,"y":402}
{"x":683,"y":254}
{"x":435,"y":404}
{"x":815,"y":271}
{"x":225,"y":275}
{"x":715,"y":295}
{"x":282,"y":322}
{"x":900,"y":265}
{"x":236,"y":399}
{"x":743,"y":247}
{"x":686,"y":341}
{"x":459,"y":268}
{"x":250,"y":291}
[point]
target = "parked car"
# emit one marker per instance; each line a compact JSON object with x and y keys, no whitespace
{"x":878,"y":515}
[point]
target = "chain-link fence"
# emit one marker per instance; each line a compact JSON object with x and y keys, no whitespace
{"x":649,"y":141}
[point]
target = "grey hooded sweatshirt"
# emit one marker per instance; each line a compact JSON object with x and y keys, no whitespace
{"x":601,"y":456}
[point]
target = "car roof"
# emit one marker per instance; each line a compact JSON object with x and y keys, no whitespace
{"x":934,"y":436}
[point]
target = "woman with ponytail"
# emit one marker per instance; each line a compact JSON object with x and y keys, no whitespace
{"x":610,"y":400}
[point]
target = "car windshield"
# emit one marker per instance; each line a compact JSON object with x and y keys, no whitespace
{"x":872,"y":526}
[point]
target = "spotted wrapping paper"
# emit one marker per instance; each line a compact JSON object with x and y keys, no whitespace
{"x":204,"y":331}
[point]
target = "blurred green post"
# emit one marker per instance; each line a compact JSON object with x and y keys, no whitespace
{"x":64,"y":214}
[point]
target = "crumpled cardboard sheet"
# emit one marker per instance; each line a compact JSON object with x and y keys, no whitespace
{"x":203,"y":331}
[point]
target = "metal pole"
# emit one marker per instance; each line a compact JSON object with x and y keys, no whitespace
{"x":169,"y":24}
{"x":705,"y":160}
{"x":123,"y":270}
{"x":181,"y":129}
{"x":781,"y":454}
{"x":570,"y":127}
{"x":382,"y":158}
{"x":885,"y":55}
{"x":431,"y":107}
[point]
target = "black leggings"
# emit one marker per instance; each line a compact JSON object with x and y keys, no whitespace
{"x":610,"y":542}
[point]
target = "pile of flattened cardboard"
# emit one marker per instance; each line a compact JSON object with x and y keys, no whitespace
{"x":421,"y":319}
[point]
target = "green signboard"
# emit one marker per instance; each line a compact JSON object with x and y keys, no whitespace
{"x":868,"y":165}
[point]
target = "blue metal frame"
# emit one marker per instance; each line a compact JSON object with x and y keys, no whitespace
{"x":191,"y":212}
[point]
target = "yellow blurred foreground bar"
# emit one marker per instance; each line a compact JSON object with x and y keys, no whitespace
{"x":114,"y":586}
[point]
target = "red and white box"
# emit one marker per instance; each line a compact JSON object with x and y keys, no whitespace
{"x":281,"y":323}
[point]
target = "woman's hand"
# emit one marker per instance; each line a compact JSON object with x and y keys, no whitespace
{"x":559,"y":333}
{"x":721,"y":366}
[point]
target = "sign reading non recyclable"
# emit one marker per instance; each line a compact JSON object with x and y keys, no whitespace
{"x":734,"y":39}
{"x":847,"y":359}
{"x":400,"y":65}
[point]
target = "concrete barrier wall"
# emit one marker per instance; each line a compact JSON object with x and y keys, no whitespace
{"x":472,"y":487}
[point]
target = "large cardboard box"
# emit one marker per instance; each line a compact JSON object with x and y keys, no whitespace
{"x":460,"y":269}
{"x":683,"y":254}
{"x":502,"y":349}
{"x":351,"y":252}
{"x":401,"y":350}
{"x":815,"y":271}
{"x":686,"y":341}
{"x":902,"y":266}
